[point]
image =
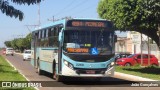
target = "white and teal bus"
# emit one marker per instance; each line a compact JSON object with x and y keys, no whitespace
{"x":75,"y":47}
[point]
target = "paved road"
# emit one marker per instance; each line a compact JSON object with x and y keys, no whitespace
{"x":78,"y":84}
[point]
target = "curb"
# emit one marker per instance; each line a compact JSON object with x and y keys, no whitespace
{"x":19,"y":72}
{"x":131,"y":77}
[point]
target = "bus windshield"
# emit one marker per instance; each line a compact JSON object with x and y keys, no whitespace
{"x":77,"y":41}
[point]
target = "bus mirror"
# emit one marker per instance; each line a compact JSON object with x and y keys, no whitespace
{"x":115,"y":38}
{"x":60,"y":36}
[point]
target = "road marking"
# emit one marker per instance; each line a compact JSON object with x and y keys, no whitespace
{"x":19,"y":72}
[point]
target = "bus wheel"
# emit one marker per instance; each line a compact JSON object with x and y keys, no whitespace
{"x":58,"y":78}
{"x":98,"y":78}
{"x":54,"y":74}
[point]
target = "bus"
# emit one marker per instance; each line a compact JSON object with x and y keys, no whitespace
{"x":74,"y":48}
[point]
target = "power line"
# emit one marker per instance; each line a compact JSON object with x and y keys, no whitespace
{"x":77,"y":5}
{"x":33,"y":26}
{"x":65,"y":7}
{"x":85,"y":9}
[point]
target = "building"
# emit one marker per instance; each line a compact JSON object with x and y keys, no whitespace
{"x":132,"y":44}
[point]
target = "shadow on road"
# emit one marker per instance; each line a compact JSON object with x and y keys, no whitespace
{"x":79,"y":82}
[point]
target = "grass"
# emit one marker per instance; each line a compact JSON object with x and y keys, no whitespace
{"x":7,"y":73}
{"x":151,"y":72}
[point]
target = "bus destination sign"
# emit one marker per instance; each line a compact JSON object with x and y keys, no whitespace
{"x":88,"y":24}
{"x":78,"y":23}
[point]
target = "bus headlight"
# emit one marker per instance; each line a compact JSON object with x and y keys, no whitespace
{"x":65,"y":62}
{"x":109,"y":66}
{"x":68,"y":64}
{"x":112,"y":63}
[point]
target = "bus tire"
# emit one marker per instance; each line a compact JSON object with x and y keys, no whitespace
{"x":98,"y":78}
{"x":59,"y":78}
{"x":38,"y":68}
{"x":54,"y":74}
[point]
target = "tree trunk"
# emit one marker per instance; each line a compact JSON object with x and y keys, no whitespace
{"x":159,"y":35}
{"x":152,"y":35}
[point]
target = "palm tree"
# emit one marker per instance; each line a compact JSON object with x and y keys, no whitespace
{"x":13,"y":12}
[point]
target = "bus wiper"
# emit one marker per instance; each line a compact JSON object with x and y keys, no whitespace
{"x":101,"y":39}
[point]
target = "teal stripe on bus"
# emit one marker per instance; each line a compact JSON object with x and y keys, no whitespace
{"x":49,"y":49}
{"x":46,"y":66}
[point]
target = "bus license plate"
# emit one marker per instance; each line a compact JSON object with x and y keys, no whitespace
{"x":90,"y":72}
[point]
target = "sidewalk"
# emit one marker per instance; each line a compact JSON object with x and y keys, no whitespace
{"x":131,"y":77}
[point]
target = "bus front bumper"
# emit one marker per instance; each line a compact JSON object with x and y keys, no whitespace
{"x":66,"y":71}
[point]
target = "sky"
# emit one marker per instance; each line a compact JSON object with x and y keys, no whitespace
{"x":11,"y":28}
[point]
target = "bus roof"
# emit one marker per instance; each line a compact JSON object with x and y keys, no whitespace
{"x":51,"y":24}
{"x":89,"y":19}
{"x":63,"y":21}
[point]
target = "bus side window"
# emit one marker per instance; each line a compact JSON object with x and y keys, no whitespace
{"x":49,"y":32}
{"x":39,"y":38}
{"x":43,"y":38}
{"x":56,"y":33}
{"x":51,"y":37}
{"x":46,"y":38}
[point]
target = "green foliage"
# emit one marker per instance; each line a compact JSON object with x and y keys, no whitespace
{"x":134,"y":15}
{"x":14,"y":44}
{"x":128,"y":13}
{"x":11,"y":11}
{"x":27,"y":41}
{"x":8,"y":73}
{"x":151,"y":72}
{"x":20,"y":43}
{"x":7,"y":43}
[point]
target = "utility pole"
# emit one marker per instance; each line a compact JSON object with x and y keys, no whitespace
{"x":141,"y":51}
{"x":148,"y":51}
{"x":159,"y":40}
{"x":39,"y":21}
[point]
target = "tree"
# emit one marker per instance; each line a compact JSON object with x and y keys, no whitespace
{"x":14,"y":44}
{"x":20,"y":43}
{"x":27,"y":41}
{"x":7,"y":43}
{"x":13,"y":12}
{"x":134,"y":15}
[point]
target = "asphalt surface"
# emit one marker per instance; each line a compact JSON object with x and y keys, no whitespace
{"x":111,"y":83}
